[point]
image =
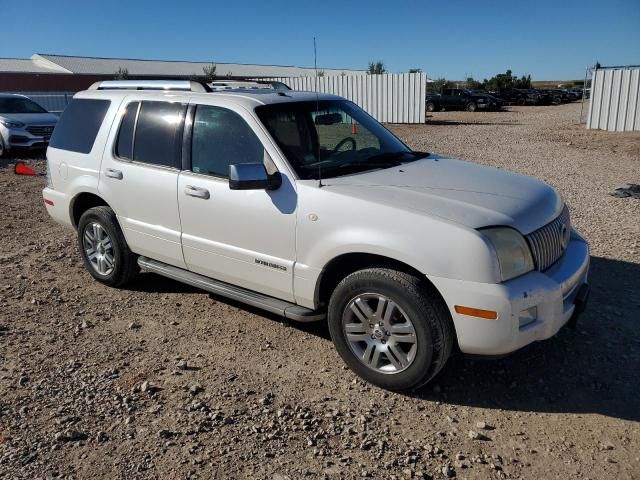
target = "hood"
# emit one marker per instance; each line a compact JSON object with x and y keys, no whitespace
{"x":31,"y":118}
{"x":462,"y":192}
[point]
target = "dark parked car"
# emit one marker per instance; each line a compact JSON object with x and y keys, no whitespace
{"x":518,"y":96}
{"x":460,"y":99}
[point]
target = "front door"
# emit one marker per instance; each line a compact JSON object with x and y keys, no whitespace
{"x":243,"y":237}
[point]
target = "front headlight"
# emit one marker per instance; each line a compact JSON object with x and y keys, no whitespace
{"x":514,"y":255}
{"x":10,"y":124}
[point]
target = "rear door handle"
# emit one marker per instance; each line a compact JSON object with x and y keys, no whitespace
{"x":196,"y":192}
{"x":111,"y":173}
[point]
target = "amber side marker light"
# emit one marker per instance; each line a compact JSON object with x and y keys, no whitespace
{"x":476,"y":312}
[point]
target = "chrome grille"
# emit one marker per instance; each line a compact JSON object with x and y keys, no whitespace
{"x":549,"y":242}
{"x":40,"y":131}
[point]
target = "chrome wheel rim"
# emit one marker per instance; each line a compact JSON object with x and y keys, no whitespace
{"x":379,"y":333}
{"x":98,"y":248}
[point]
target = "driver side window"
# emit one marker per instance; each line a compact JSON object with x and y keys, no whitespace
{"x":221,"y":137}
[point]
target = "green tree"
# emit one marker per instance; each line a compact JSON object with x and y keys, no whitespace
{"x":376,"y":68}
{"x":209,"y":72}
{"x":438,"y":84}
{"x":507,"y":80}
{"x":320,"y":73}
{"x":474,"y":84}
{"x":121,"y":74}
{"x":415,"y":70}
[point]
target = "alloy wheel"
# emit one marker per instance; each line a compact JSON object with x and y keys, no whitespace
{"x":379,"y":333}
{"x":98,"y":248}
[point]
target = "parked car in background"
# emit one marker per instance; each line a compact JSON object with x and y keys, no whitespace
{"x":459,"y":99}
{"x":555,"y":97}
{"x":498,"y":101}
{"x":279,"y":201}
{"x":519,"y":96}
{"x":23,"y":123}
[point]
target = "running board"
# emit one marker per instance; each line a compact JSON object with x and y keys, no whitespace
{"x":249,"y":297}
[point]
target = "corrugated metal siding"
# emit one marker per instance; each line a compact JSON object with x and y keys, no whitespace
{"x":53,"y":102}
{"x":391,"y":98}
{"x":615,"y":100}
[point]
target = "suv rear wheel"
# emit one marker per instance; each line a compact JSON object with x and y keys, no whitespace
{"x":431,"y":107}
{"x":472,"y":107}
{"x":103,"y":248}
{"x":389,"y":328}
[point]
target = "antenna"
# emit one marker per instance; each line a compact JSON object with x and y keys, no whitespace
{"x":315,"y":67}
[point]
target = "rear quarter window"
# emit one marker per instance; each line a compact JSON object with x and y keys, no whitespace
{"x":78,"y":126}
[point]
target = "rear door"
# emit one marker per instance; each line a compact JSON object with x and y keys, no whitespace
{"x":139,"y":175}
{"x":243,"y":237}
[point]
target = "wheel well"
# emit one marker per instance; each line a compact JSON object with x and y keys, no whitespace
{"x":343,"y":265}
{"x":82,"y":203}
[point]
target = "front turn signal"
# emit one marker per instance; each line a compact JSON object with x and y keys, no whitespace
{"x":476,"y":312}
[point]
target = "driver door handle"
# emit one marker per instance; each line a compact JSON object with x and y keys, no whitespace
{"x":111,"y":173}
{"x":197,"y":192}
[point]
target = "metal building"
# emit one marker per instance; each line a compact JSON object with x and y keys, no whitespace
{"x":392,"y":98}
{"x":63,"y":73}
{"x":615,"y":99}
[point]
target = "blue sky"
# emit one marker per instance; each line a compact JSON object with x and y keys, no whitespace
{"x":454,"y":39}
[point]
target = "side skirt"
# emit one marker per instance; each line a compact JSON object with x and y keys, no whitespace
{"x":249,"y":297}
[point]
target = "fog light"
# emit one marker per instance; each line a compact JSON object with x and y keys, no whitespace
{"x":528,"y":316}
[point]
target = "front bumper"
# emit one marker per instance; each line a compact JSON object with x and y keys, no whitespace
{"x":23,"y":138}
{"x":530,"y":308}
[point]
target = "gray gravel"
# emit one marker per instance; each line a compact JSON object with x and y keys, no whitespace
{"x":164,"y":381}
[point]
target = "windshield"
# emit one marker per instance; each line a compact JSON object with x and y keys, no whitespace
{"x":335,"y":137}
{"x":19,"y":105}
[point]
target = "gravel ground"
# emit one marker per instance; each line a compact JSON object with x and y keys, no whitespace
{"x":164,"y":381}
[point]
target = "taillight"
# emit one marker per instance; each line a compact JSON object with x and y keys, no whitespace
{"x":49,"y":180}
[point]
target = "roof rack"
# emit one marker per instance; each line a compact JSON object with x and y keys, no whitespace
{"x":246,"y":84}
{"x":178,"y":85}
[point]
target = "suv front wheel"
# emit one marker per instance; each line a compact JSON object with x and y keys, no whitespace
{"x":389,"y":328}
{"x":103,"y":248}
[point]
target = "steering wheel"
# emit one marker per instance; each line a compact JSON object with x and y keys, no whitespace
{"x":344,"y":141}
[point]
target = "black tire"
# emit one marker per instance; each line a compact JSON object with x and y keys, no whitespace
{"x":431,"y":320}
{"x":431,"y":107}
{"x":521,"y":101}
{"x":471,"y":107}
{"x":3,"y":150}
{"x":125,"y":265}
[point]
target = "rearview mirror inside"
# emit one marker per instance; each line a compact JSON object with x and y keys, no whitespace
{"x":252,"y":176}
{"x":328,"y":119}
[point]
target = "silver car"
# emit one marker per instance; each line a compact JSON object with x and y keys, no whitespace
{"x":23,"y":123}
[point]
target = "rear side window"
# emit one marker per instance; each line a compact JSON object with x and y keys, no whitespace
{"x":124,"y":145}
{"x":158,"y":133}
{"x":79,"y":124}
{"x":221,"y":137}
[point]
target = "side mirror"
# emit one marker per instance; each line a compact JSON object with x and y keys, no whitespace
{"x":252,"y":176}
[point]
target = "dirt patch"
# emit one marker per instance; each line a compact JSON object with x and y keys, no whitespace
{"x":267,"y":398}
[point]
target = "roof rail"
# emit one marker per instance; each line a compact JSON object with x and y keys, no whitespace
{"x":246,"y":84}
{"x":179,"y":85}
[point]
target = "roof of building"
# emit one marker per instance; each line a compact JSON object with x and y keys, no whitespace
{"x":28,"y":65}
{"x":49,"y":63}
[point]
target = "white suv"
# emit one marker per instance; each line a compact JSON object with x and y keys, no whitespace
{"x":304,"y":205}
